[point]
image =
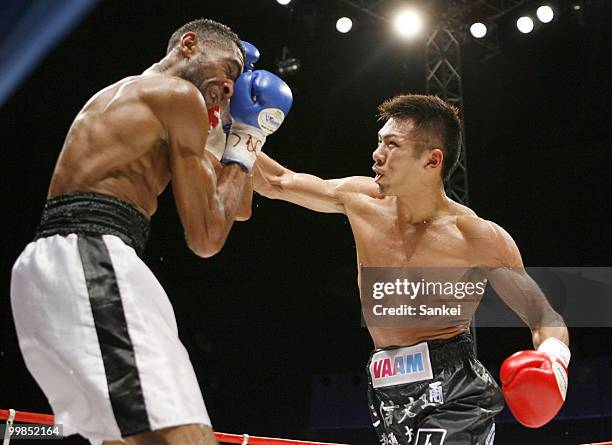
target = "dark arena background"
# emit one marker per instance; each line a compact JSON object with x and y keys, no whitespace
{"x":272,"y":323}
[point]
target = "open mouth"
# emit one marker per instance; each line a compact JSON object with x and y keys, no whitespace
{"x":378,"y":174}
{"x":212,"y":95}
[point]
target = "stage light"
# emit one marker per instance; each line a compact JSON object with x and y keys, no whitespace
{"x":578,"y":9}
{"x":408,"y":23}
{"x":525,"y":25}
{"x":478,"y":30}
{"x":288,"y":65}
{"x":545,"y":14}
{"x":283,"y":2}
{"x":344,"y":25}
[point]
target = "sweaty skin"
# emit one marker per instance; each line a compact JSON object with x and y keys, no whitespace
{"x":135,"y":136}
{"x":417,"y":227}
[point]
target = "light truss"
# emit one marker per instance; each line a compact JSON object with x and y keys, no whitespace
{"x":443,"y":55}
{"x":443,"y":78}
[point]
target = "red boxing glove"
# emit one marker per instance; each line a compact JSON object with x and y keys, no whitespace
{"x":534,"y":383}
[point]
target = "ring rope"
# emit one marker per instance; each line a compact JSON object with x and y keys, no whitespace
{"x":241,"y":439}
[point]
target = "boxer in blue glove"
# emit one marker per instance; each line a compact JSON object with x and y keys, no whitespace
{"x":96,"y":329}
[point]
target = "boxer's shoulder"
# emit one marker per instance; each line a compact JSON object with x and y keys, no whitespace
{"x":488,"y":241}
{"x":357,"y":185}
{"x":164,"y":91}
{"x":474,"y":227}
{"x":176,"y":103}
{"x":152,"y":87}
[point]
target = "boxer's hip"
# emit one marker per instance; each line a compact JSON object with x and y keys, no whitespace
{"x":97,"y":330}
{"x":432,"y":386}
{"x":93,"y":214}
{"x":397,"y":365}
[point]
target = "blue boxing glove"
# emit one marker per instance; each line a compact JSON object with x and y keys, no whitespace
{"x":251,"y":55}
{"x":258,"y":107}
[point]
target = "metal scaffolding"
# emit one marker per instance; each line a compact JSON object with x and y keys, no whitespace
{"x":443,"y":63}
{"x":443,"y":78}
{"x":443,"y":56}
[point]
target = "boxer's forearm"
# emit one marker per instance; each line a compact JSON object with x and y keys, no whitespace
{"x":267,"y":176}
{"x":541,"y":333}
{"x":272,"y":180}
{"x":207,"y":225}
{"x":228,"y":203}
{"x":246,"y":201}
{"x":549,"y":324}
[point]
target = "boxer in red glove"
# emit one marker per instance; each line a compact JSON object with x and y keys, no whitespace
{"x":426,"y":385}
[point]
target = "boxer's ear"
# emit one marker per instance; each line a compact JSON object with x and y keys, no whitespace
{"x":189,"y":44}
{"x":435,"y":158}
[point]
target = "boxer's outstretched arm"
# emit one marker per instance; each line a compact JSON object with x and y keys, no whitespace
{"x":207,"y":203}
{"x":272,"y":180}
{"x":519,"y":291}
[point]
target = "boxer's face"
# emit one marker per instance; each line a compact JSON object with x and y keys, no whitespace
{"x":401,"y":159}
{"x":213,"y":71}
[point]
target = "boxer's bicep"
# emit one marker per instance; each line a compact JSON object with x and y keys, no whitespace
{"x":312,"y":192}
{"x":512,"y":283}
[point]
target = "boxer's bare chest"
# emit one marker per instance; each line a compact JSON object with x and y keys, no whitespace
{"x":433,"y":251}
{"x":384,"y":240}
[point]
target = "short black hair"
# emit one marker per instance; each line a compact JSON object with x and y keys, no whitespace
{"x":433,"y":115}
{"x":206,"y":29}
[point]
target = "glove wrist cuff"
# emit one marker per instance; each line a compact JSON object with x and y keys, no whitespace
{"x":556,"y":348}
{"x":244,"y":166}
{"x":245,"y":132}
{"x":243,"y":144}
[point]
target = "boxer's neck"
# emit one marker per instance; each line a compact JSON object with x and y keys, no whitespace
{"x":422,"y":207}
{"x":171,"y":65}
